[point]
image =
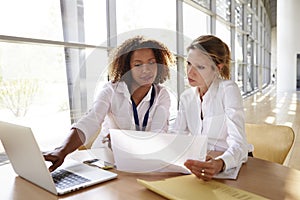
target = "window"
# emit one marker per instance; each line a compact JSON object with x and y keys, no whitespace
{"x":95,"y":22}
{"x":239,"y":58}
{"x":57,"y":51}
{"x":223,"y":9}
{"x":223,"y":32}
{"x":203,"y":3}
{"x":155,"y":19}
{"x":195,"y":23}
{"x":34,"y":90}
{"x":17,"y":18}
{"x":238,"y":15}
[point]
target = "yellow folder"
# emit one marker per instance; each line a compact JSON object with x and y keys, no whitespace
{"x":189,"y":187}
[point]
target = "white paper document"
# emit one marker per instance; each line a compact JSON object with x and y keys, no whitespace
{"x":229,"y":174}
{"x":102,"y":153}
{"x":140,"y":152}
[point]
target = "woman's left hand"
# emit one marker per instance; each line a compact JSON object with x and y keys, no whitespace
{"x":205,"y":170}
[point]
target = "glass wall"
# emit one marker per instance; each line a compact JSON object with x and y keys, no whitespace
{"x":195,"y":22}
{"x":54,"y":54}
{"x":21,"y":19}
{"x":34,"y":89}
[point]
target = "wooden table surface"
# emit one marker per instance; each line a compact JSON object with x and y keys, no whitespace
{"x":270,"y":180}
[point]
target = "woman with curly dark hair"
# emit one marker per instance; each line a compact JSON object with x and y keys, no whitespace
{"x":133,"y":99}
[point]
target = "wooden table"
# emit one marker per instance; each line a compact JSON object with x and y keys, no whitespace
{"x":261,"y":177}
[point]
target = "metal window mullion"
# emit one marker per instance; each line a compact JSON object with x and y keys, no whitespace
{"x":213,"y":16}
{"x":244,"y":46}
{"x":111,"y":23}
{"x":73,"y":29}
{"x":179,"y":49}
{"x":232,"y":32}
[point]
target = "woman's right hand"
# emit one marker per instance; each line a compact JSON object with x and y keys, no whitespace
{"x":56,"y":157}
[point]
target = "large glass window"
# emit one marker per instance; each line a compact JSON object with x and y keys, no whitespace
{"x":223,"y":32}
{"x":95,"y":22}
{"x":195,"y":22}
{"x":223,"y":9}
{"x":249,"y":23}
{"x":203,"y":3}
{"x":31,"y":18}
{"x":34,"y":90}
{"x":250,"y":68}
{"x":147,"y":18}
{"x":238,"y":14}
{"x":56,"y":51}
{"x":84,"y":21}
{"x":239,"y":59}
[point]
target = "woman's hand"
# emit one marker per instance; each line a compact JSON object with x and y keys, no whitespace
{"x":56,"y":157}
{"x":205,"y":170}
{"x":107,"y":140}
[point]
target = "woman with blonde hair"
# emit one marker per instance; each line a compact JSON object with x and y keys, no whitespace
{"x":213,"y":107}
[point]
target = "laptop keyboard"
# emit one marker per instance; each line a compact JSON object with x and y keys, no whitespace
{"x":65,"y":179}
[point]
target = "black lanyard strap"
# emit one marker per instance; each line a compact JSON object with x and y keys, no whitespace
{"x":135,"y":113}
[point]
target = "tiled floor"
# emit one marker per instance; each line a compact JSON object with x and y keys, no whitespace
{"x":273,"y":107}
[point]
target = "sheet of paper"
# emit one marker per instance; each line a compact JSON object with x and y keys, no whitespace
{"x":229,"y":174}
{"x":136,"y":151}
{"x":189,"y":187}
{"x":102,"y":153}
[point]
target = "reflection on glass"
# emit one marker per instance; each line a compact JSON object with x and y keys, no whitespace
{"x":238,"y":14}
{"x":249,"y":74}
{"x":239,"y":59}
{"x":203,"y":3}
{"x":249,"y":23}
{"x":223,"y":9}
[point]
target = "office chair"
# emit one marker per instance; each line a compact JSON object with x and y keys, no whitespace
{"x":271,"y":142}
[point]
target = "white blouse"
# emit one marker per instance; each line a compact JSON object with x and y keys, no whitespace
{"x":113,"y":107}
{"x":223,"y":120}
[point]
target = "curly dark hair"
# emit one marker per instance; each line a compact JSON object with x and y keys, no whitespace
{"x":120,"y":59}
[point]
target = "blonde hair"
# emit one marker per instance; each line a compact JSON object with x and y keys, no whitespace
{"x":217,"y":50}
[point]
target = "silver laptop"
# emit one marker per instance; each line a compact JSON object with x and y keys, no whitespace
{"x":28,"y":162}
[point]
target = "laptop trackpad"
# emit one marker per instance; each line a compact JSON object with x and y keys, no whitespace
{"x":86,"y":171}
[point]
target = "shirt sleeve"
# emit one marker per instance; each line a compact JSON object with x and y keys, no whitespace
{"x":91,"y":122}
{"x":160,"y":119}
{"x":180,"y":124}
{"x":237,"y":152}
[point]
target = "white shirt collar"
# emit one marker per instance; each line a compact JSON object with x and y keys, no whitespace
{"x":121,"y":87}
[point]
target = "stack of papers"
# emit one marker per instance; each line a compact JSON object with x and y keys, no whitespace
{"x":229,"y":173}
{"x":189,"y":187}
{"x":142,"y":152}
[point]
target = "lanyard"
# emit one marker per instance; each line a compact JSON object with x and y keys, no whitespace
{"x":135,"y":113}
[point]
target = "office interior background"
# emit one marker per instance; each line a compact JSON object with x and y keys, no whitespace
{"x":54,"y":54}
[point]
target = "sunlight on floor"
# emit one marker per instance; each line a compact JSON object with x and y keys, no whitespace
{"x":270,"y":120}
{"x":281,"y":108}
